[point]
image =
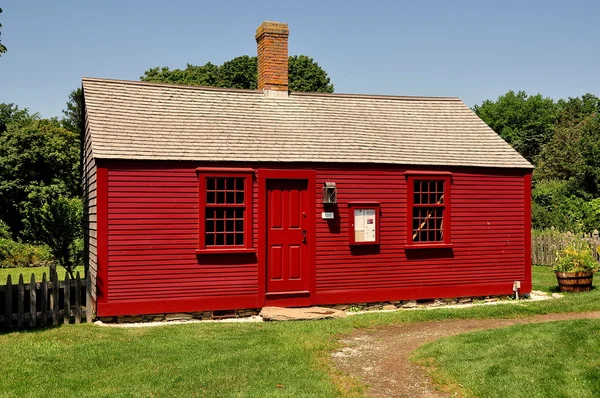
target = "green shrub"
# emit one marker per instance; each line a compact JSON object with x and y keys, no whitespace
{"x":554,"y":205}
{"x":60,"y":227}
{"x":4,"y":230}
{"x":16,"y":255}
{"x":576,"y":257}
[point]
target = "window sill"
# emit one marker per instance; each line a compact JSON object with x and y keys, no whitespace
{"x":225,"y":251}
{"x":429,"y":246}
{"x":364,"y":243}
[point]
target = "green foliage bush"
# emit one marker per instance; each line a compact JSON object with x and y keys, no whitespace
{"x":60,"y":227}
{"x":241,"y":72}
{"x":576,"y":257}
{"x":16,"y":255}
{"x":39,"y":160}
{"x":4,"y":231}
{"x":555,"y":206}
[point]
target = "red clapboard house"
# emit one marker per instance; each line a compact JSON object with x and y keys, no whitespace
{"x":202,"y":199}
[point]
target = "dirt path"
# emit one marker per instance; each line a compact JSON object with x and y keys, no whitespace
{"x":379,"y":357}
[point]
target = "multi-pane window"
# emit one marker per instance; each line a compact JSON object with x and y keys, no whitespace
{"x":428,"y":210}
{"x":224,"y":210}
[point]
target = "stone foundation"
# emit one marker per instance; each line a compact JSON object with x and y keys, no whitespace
{"x":408,"y":304}
{"x":356,"y":307}
{"x":191,"y":316}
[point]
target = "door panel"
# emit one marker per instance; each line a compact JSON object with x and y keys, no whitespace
{"x":287,"y":253}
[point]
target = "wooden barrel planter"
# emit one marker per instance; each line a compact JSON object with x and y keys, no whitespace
{"x":574,"y":281}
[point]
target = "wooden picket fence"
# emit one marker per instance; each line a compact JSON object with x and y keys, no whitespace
{"x":29,"y":304}
{"x":545,"y":247}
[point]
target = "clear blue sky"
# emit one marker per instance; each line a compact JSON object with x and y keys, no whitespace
{"x":475,"y":50}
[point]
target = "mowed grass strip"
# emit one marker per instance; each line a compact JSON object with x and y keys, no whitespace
{"x":554,"y":359}
{"x":213,"y":360}
{"x":38,"y":271}
{"x":544,"y":279}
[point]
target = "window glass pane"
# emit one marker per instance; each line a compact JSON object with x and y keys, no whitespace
{"x":433,"y":186}
{"x":424,"y":199}
{"x":229,"y":239}
{"x":230,"y":184}
{"x":239,"y":213}
{"x":239,"y":226}
{"x":220,"y":240}
{"x":427,"y":224}
{"x":430,"y":236}
{"x":210,"y":225}
{"x":221,"y":198}
{"x":220,"y":225}
{"x":440,"y":198}
{"x":229,"y":226}
{"x":417,"y":199}
{"x":239,"y":198}
{"x":230,"y":198}
{"x":433,"y":198}
{"x":220,"y":213}
{"x":440,"y":186}
{"x":229,"y":213}
{"x":210,"y":239}
{"x":210,"y":184}
{"x":239,"y":239}
{"x":210,"y":197}
{"x":220,"y":183}
{"x":239,"y":184}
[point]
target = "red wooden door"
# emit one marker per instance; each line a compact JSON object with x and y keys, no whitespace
{"x":287,"y":247}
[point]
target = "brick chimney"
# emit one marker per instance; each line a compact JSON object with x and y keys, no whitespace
{"x":272,"y":47}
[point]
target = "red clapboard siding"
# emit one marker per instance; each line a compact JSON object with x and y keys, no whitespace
{"x":152,"y":237}
{"x":487,"y":233}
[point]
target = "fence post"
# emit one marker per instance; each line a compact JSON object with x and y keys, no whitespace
{"x":88,"y":299}
{"x":8,"y":303}
{"x":20,"y":302}
{"x":67,"y":289}
{"x":44,"y":301}
{"x":54,"y":299}
{"x":77,"y":298}
{"x":32,"y":303}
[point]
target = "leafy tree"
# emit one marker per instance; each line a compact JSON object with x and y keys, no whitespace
{"x":205,"y":75}
{"x":60,"y":227}
{"x":11,"y":114}
{"x":39,"y":160}
{"x":4,"y":231}
{"x":573,"y":153}
{"x":306,"y":75}
{"x":74,"y":117}
{"x":525,"y":122}
{"x":241,"y":72}
{"x":2,"y":46}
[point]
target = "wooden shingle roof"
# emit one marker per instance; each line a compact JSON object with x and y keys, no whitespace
{"x":138,"y":120}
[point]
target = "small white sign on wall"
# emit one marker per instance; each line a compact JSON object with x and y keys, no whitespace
{"x":364,"y":225}
{"x":327,"y":215}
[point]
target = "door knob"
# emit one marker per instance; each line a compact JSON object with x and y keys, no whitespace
{"x":303,"y":236}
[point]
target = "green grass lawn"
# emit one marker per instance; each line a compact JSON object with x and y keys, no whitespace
{"x":249,"y":360}
{"x":554,"y":359}
{"x":38,"y":271}
{"x":544,"y":279}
